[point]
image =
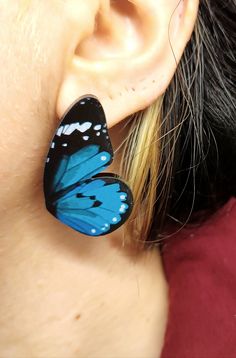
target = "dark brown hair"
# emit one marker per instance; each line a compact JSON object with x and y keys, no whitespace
{"x":198,"y":146}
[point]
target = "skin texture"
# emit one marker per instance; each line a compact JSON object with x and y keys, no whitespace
{"x":64,"y":294}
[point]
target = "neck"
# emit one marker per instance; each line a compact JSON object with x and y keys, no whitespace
{"x":63,"y":294}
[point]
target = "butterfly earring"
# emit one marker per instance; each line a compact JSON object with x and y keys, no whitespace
{"x":75,"y":192}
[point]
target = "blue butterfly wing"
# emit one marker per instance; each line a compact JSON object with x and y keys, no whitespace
{"x":81,"y":149}
{"x":96,"y":207}
{"x":80,"y":166}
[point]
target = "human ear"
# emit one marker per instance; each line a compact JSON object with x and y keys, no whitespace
{"x":129,"y":56}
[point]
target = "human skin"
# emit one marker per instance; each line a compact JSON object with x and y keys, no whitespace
{"x":64,"y":294}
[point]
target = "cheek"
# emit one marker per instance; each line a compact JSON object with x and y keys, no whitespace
{"x":27,"y":118}
{"x":31,"y":69}
{"x":21,"y":159}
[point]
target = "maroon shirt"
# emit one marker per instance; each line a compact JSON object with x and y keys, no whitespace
{"x":200,"y":266}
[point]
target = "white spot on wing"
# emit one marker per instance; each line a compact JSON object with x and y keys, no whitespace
{"x":97,"y":127}
{"x":85,"y":137}
{"x":65,"y":144}
{"x":84,"y":127}
{"x":103,"y":158}
{"x":59,"y":131}
{"x":68,"y":129}
{"x":67,"y":126}
{"x":122,"y":208}
{"x":53,"y":145}
{"x":98,"y":134}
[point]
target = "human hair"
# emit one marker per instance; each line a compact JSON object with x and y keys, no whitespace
{"x":179,"y":156}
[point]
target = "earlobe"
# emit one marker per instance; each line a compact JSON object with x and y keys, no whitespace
{"x":129,"y":58}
